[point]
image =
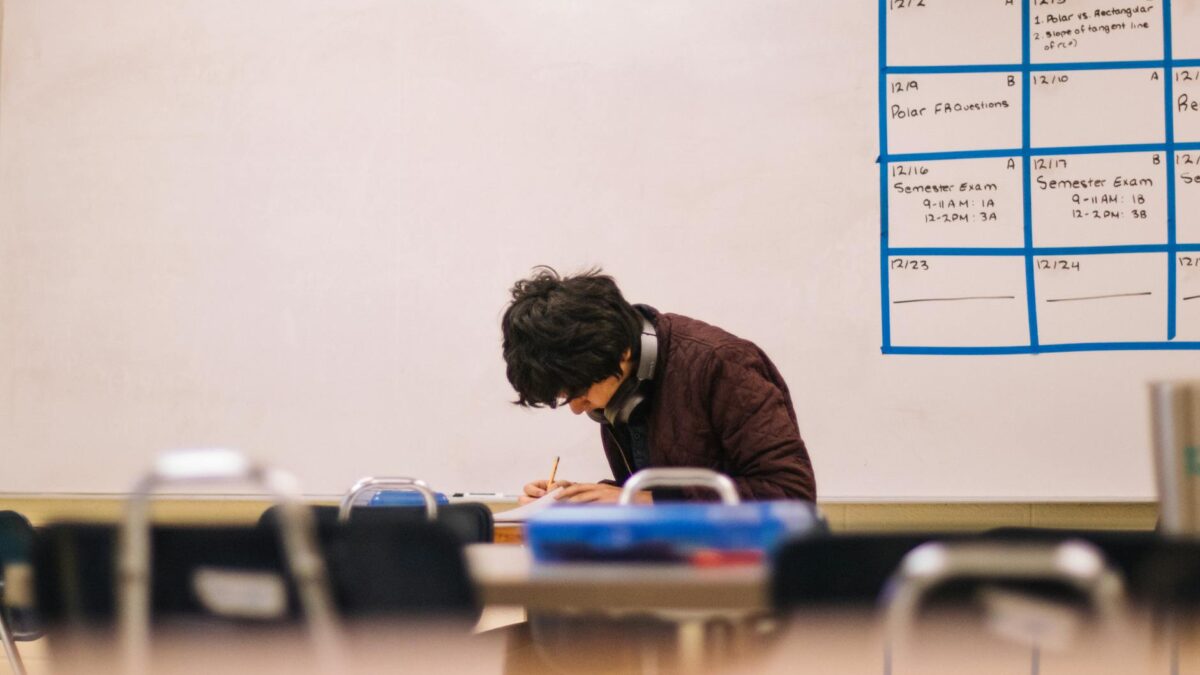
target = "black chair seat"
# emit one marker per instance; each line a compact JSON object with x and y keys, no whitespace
{"x":470,"y":522}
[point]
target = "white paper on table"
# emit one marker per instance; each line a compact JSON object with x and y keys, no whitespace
{"x":523,"y":513}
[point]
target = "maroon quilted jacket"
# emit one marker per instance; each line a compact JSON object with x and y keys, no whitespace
{"x":719,"y":403}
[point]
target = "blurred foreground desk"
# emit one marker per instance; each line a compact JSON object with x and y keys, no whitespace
{"x":507,"y":575}
{"x":689,"y":603}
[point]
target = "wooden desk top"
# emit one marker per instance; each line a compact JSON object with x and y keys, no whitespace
{"x":507,"y":575}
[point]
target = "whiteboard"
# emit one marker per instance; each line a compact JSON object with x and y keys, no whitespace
{"x":290,"y":227}
{"x":1039,"y":176}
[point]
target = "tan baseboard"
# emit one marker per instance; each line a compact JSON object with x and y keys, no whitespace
{"x":108,"y":509}
{"x":843,"y":516}
{"x":967,"y":517}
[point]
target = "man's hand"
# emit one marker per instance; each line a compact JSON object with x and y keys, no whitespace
{"x":598,"y":493}
{"x":537,"y":490}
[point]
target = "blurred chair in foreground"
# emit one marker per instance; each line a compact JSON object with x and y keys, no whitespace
{"x":243,"y":583}
{"x":380,"y":500}
{"x":1039,"y":595}
{"x":18,"y":621}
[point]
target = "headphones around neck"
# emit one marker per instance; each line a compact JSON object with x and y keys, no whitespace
{"x":631,"y":393}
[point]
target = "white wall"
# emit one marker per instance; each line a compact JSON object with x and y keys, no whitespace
{"x":290,"y":227}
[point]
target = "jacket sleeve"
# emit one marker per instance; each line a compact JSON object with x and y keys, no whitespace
{"x":752,"y":416}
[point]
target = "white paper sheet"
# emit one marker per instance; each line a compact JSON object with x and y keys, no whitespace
{"x":523,"y":513}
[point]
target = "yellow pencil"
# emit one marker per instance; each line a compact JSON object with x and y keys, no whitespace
{"x":553,"y":470}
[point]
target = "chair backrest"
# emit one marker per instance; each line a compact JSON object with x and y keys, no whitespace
{"x":16,"y":553}
{"x":238,"y":574}
{"x":1070,"y":574}
{"x":853,"y":568}
{"x":76,"y":574}
{"x":405,"y":569}
{"x":1029,"y":596}
{"x":469,"y":522}
{"x":1161,"y":573}
{"x":1124,"y":549}
{"x":844,"y":571}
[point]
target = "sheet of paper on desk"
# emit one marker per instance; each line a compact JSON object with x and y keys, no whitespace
{"x":523,"y":513}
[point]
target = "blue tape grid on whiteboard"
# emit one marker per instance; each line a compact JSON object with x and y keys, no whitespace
{"x":1171,"y":248}
{"x":1026,"y":188}
{"x":1041,"y":250}
{"x":883,"y":179}
{"x":1037,"y":152}
{"x":1040,"y":67}
{"x":1169,"y":98}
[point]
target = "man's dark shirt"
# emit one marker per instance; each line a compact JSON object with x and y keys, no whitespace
{"x":636,"y":436}
{"x":718,"y":403}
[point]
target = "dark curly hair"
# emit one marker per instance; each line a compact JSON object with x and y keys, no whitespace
{"x":564,"y":334}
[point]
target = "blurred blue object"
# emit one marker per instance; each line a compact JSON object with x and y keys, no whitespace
{"x":404,"y":498}
{"x":667,"y":532}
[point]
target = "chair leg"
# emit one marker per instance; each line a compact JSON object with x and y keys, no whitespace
{"x":10,"y":645}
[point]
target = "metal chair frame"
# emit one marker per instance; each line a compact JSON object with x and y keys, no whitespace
{"x":373,"y":484}
{"x":679,"y":477}
{"x":297,"y":532}
{"x":1074,"y":563}
{"x":8,"y":637}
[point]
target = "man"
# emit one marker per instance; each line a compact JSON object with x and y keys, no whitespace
{"x":667,"y":390}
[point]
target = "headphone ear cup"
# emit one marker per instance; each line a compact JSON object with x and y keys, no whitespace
{"x":632,"y":391}
{"x":630,"y":404}
{"x":624,"y":400}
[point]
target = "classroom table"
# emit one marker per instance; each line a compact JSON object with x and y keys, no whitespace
{"x":688,"y":597}
{"x":508,"y":575}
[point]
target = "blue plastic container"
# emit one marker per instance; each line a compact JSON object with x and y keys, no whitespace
{"x":404,"y":498}
{"x":666,"y":532}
